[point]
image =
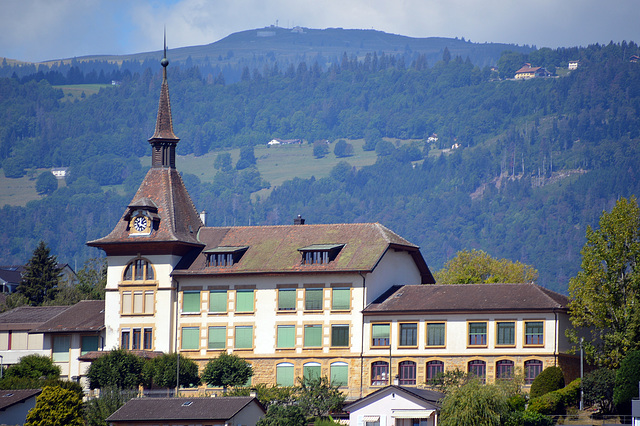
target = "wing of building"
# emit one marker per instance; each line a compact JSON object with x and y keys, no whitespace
{"x":292,"y":300}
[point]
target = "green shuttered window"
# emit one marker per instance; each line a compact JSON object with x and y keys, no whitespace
{"x":435,"y":334}
{"x":284,"y":374}
{"x":217,"y":337}
{"x":341,"y":299}
{"x":312,"y":336}
{"x":88,"y":344}
{"x":311,"y":370}
{"x":380,"y":334}
{"x":339,"y":374}
{"x":287,"y":299}
{"x":218,"y":301}
{"x":340,"y":335}
{"x":190,"y":338}
{"x":506,"y":333}
{"x":244,"y":301}
{"x":191,"y":301}
{"x":286,"y":336}
{"x":313,"y":299}
{"x":244,"y":337}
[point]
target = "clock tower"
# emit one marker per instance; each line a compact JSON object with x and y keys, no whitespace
{"x":157,"y":230}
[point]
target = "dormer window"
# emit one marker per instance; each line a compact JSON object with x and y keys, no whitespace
{"x":320,"y":254}
{"x":221,"y":257}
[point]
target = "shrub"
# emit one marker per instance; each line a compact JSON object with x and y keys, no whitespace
{"x":627,"y":378}
{"x":598,"y":389}
{"x":526,"y":418}
{"x":549,"y":404}
{"x":549,"y":380}
{"x":571,"y":394}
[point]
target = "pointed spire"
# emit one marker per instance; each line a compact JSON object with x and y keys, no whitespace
{"x":164,"y":140}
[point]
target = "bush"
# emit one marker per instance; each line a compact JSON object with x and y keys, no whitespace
{"x":571,"y":394}
{"x":549,"y":380}
{"x":549,"y":404}
{"x":627,"y":378}
{"x":527,"y":418}
{"x":598,"y":389}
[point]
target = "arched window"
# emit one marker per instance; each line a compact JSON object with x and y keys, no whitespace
{"x":504,"y":369}
{"x":284,"y":374}
{"x":339,"y":373}
{"x":434,"y":368}
{"x":138,"y":270}
{"x":478,"y":368}
{"x":532,"y":368}
{"x":407,"y":373}
{"x":379,"y":373}
{"x":311,"y":370}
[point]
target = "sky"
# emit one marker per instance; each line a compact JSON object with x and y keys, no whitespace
{"x":40,"y":30}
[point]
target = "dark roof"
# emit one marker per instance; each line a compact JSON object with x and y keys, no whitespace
{"x":179,"y":220}
{"x":276,"y":249}
{"x":28,"y":317}
{"x":11,"y":275}
{"x":93,"y":355}
{"x":468,"y":298}
{"x":86,"y":316}
{"x":161,"y":409}
{"x":432,"y":397}
{"x":16,"y":396}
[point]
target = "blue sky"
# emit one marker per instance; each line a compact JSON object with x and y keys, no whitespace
{"x":38,"y":30}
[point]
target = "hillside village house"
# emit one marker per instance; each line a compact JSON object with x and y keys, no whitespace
{"x":527,"y":72}
{"x":341,"y":300}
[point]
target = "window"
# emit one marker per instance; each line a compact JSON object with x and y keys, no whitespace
{"x":312,"y":336}
{"x":221,"y":257}
{"x":506,"y":333}
{"x":504,"y":369}
{"x":407,"y":373}
{"x":379,"y":373}
{"x":534,"y":333}
{"x":218,"y":301}
{"x":286,"y":336}
{"x":477,"y":333}
{"x":244,"y":300}
{"x":61,"y":348}
{"x":408,"y":334}
{"x":320,"y":253}
{"x":379,"y":335}
{"x":88,"y":344}
{"x":284,"y":374}
{"x":244,"y":337}
{"x":531,"y":370}
{"x":191,"y":302}
{"x":138,"y":302}
{"x":339,"y":335}
{"x":217,"y":337}
{"x":125,"y":337}
{"x":313,"y":299}
{"x":137,"y":337}
{"x":287,"y":299}
{"x":190,"y":338}
{"x":147,"y":343}
{"x":138,"y":270}
{"x":339,"y":373}
{"x":435,"y":334}
{"x":479,"y":369}
{"x":340,"y":299}
{"x":311,"y":370}
{"x":434,"y":368}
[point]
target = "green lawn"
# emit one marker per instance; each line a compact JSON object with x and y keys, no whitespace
{"x":18,"y":192}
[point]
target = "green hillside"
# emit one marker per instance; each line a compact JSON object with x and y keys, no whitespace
{"x":518,"y":168}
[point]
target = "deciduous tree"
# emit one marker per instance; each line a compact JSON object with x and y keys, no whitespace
{"x":606,"y":292}
{"x":161,"y":372}
{"x":117,"y":368}
{"x":476,"y":266}
{"x":46,"y":183}
{"x":318,"y":397}
{"x":227,"y":370}
{"x":56,"y":406}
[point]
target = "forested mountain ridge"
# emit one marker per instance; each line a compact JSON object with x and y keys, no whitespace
{"x":523,"y":134}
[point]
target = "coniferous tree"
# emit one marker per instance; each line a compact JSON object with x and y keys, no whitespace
{"x":40,"y":280}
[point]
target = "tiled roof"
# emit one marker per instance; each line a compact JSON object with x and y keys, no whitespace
{"x":432,"y":397}
{"x":86,"y":315}
{"x":179,"y":220}
{"x":16,"y":396}
{"x":12,"y":276}
{"x":93,"y":355}
{"x":28,"y":317}
{"x":164,"y":122}
{"x":276,"y":249}
{"x":451,"y":298}
{"x":527,"y":69}
{"x":167,"y":409}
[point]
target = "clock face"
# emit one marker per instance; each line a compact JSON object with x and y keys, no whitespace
{"x":140,"y":223}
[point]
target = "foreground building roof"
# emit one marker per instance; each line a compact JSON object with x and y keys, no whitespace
{"x":187,"y":409}
{"x":28,"y":317}
{"x":468,"y":298}
{"x":84,"y":316}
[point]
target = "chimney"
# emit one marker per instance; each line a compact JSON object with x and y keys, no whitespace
{"x":203,"y":217}
{"x":298,"y":220}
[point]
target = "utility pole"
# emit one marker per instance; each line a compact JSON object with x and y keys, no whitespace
{"x":581,"y":374}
